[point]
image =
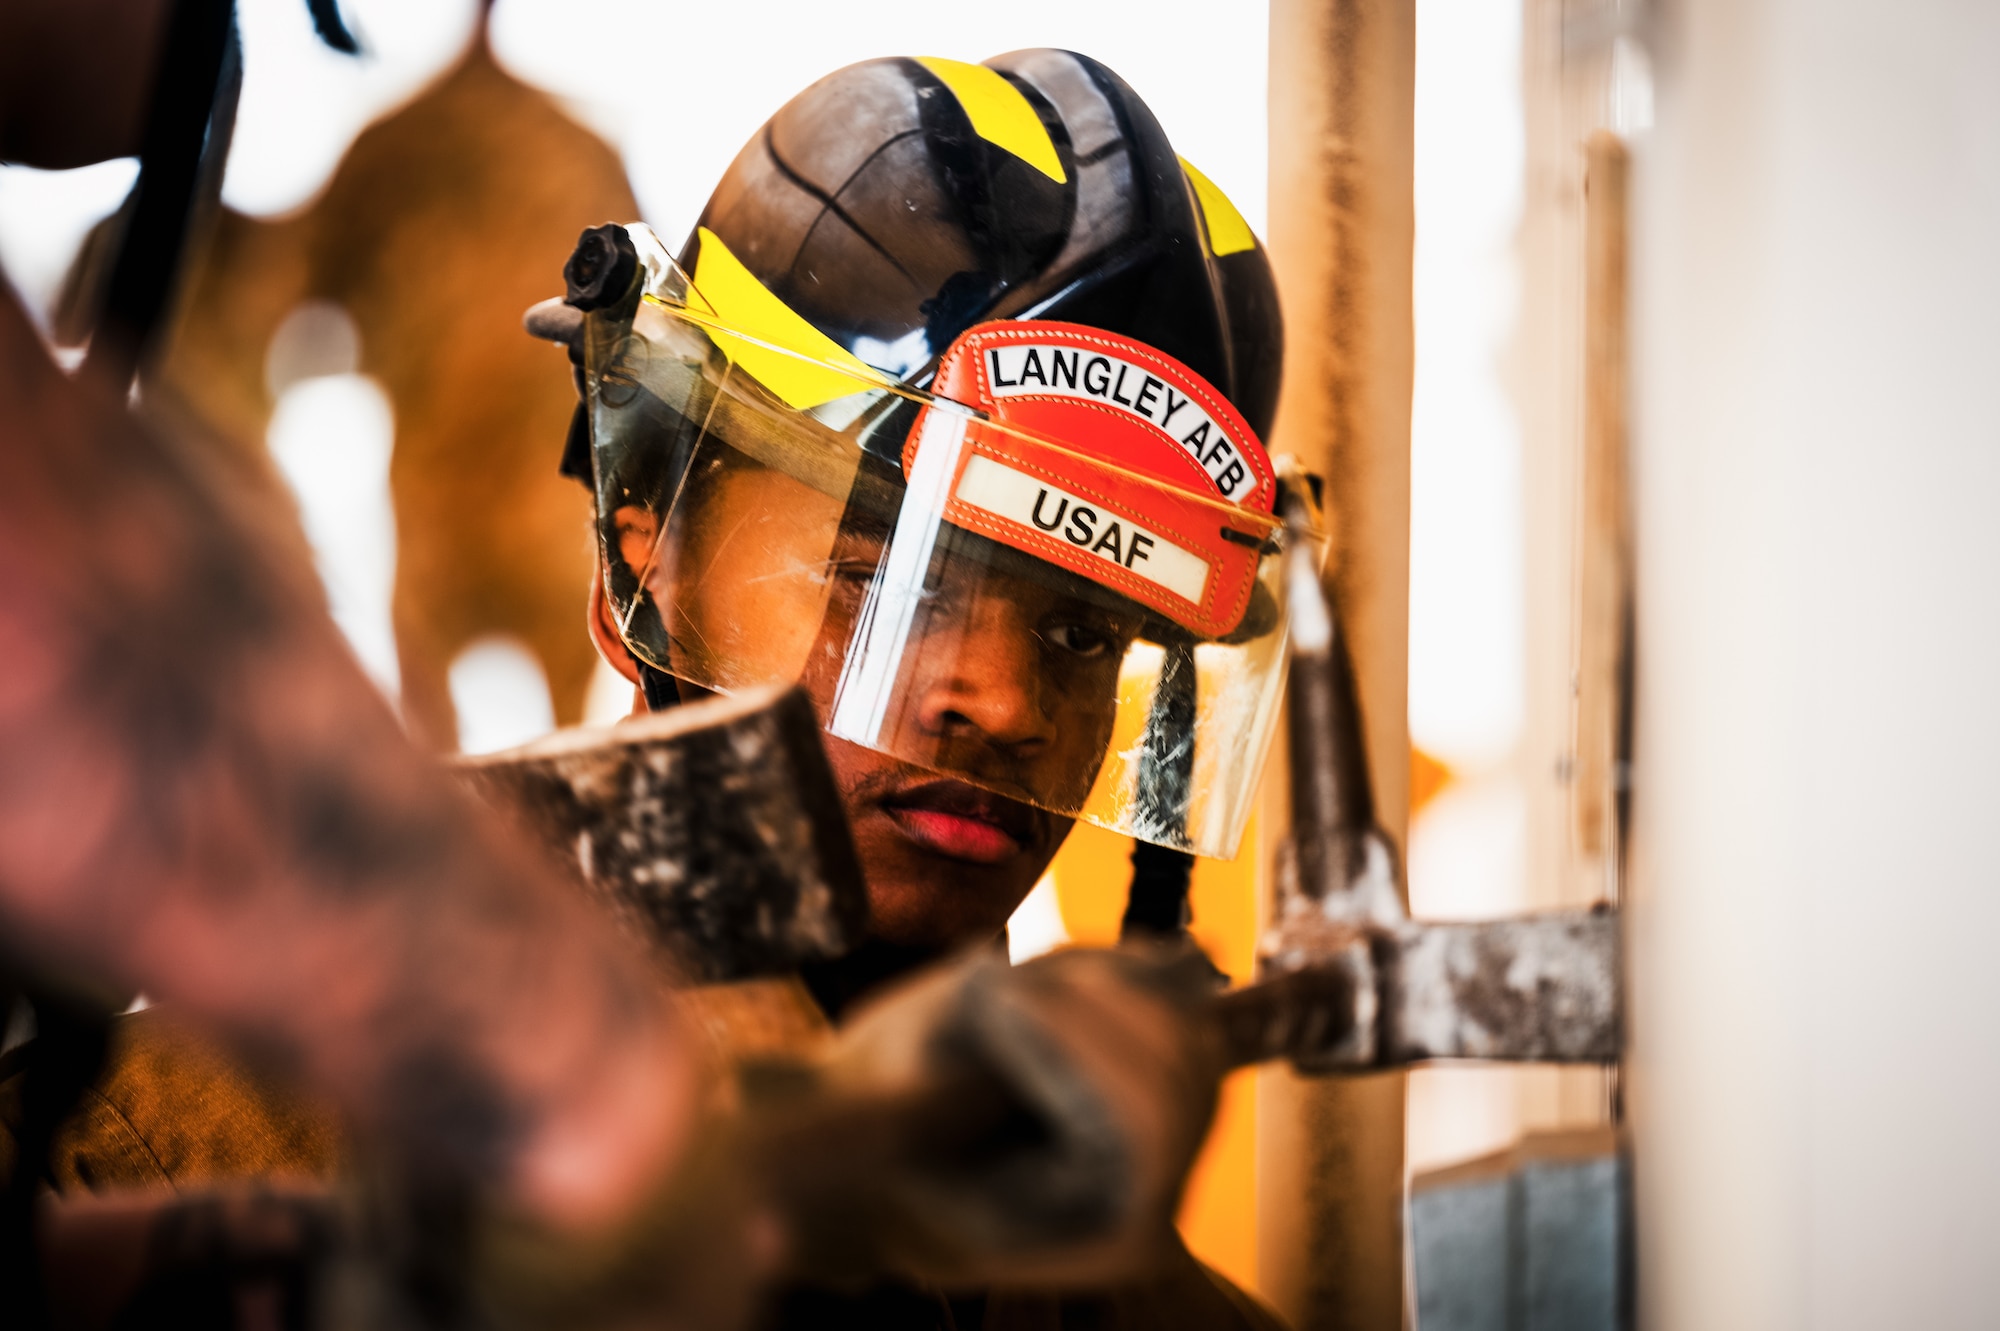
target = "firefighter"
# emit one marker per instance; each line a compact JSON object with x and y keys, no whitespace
{"x":201,"y":797}
{"x":951,"y":409}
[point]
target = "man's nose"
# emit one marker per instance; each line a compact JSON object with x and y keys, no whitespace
{"x":990,"y":685}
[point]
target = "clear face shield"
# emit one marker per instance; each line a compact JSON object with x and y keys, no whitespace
{"x":1006,"y":585}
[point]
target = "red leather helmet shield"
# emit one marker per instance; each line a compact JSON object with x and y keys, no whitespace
{"x":1129,"y":418}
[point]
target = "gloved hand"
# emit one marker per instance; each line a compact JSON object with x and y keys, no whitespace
{"x":691,"y":1259}
{"x":1035,"y":1124}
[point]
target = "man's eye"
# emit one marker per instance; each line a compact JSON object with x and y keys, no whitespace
{"x":851,"y":572}
{"x":1081,"y":639}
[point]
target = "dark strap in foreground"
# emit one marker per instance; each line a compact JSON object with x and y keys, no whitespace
{"x":188,"y":127}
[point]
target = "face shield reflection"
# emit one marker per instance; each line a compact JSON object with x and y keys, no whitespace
{"x":748,"y":542}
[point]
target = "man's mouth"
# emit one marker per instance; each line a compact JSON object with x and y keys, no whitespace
{"x":962,"y":821}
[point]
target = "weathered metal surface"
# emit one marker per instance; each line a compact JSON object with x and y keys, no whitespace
{"x":1536,"y":1238}
{"x":1349,"y":996}
{"x":1359,"y":996}
{"x":715,"y":831}
{"x":1535,"y":988}
{"x":1338,"y":867}
{"x":1335,"y":842}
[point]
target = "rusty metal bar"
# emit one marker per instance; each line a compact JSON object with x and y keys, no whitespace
{"x":1534,"y":988}
{"x":1537,"y":988}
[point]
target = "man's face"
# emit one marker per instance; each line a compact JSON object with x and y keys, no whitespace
{"x":1009,"y":679}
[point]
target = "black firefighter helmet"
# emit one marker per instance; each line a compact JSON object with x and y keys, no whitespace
{"x":948,"y":331}
{"x":874,"y":205}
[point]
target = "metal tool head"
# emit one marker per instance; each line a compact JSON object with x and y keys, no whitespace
{"x":1363,"y":985}
{"x":1533,"y":988}
{"x":1350,"y":996}
{"x":715,"y":830}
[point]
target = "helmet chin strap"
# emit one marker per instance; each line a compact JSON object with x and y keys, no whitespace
{"x":1156,"y":904}
{"x":660,"y":689}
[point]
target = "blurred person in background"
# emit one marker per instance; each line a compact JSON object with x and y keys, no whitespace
{"x":203,"y":799}
{"x":434,"y":231}
{"x":950,"y":410}
{"x":487,"y":541}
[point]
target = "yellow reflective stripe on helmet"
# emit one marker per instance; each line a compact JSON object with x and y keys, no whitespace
{"x":1228,"y":233}
{"x":999,"y":113}
{"x":729,"y":291}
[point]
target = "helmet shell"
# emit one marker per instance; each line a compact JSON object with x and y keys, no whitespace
{"x":873,"y":206}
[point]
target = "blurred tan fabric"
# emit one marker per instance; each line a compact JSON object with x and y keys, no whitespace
{"x":172,"y":1110}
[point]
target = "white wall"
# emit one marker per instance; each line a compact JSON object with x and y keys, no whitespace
{"x":679,"y":88}
{"x":1467,"y":853}
{"x":1817,"y":877}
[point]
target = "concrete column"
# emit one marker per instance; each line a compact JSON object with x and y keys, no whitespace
{"x":1330,"y":1153}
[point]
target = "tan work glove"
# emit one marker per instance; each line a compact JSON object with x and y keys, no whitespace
{"x":692,"y":1259}
{"x":980,"y":1126}
{"x":1033,"y":1125}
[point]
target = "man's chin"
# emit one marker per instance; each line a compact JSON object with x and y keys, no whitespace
{"x":946,"y":863}
{"x":918,"y":897}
